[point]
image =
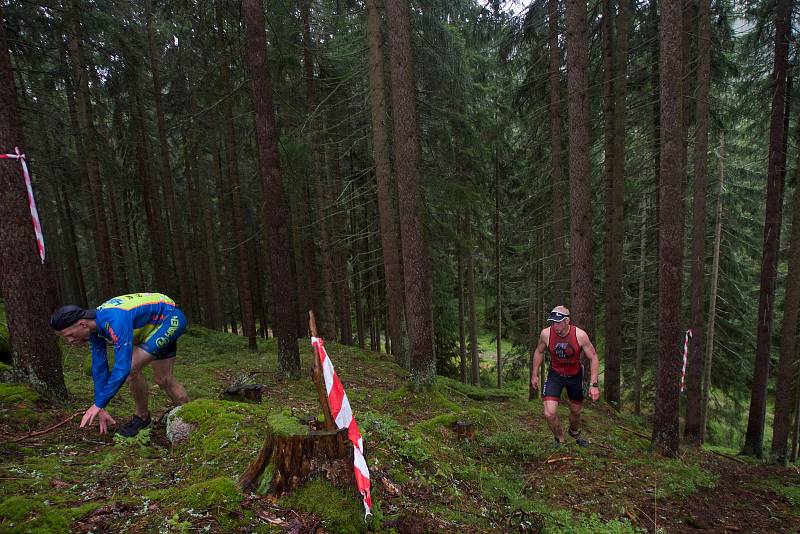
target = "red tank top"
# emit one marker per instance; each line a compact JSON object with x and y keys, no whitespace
{"x":565,"y":352}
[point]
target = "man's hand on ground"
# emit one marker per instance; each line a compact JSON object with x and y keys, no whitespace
{"x":103,"y":418}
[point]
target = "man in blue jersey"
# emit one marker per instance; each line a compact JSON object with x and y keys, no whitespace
{"x":143,"y":328}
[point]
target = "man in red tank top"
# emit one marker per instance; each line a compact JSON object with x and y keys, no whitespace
{"x":566,"y":344}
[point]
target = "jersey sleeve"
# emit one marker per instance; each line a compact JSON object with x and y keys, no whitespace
{"x":120,"y":330}
{"x":99,"y":362}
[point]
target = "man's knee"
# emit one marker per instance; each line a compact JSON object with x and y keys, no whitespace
{"x":134,"y":373}
{"x":164,"y":381}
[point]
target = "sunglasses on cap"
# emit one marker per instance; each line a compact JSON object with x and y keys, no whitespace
{"x":557,"y":317}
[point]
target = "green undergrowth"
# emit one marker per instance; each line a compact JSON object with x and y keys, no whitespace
{"x":341,"y":512}
{"x":35,"y":516}
{"x":424,"y":474}
{"x":675,"y":478}
{"x":790,"y":492}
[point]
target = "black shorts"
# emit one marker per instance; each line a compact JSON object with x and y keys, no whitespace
{"x":556,"y":382}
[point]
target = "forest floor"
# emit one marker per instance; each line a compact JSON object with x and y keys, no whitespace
{"x":508,"y":478}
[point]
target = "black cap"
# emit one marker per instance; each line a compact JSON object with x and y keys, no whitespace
{"x":68,"y":315}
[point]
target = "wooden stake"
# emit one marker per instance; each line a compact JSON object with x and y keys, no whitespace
{"x":316,"y":376}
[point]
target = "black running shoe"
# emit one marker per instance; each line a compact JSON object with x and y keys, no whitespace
{"x":583,"y":442}
{"x":132,"y":427}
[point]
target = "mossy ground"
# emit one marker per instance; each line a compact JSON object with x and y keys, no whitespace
{"x":424,"y":477}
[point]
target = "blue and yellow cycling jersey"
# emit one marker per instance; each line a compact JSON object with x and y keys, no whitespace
{"x":125,"y":322}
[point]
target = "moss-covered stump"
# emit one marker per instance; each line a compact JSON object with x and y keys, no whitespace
{"x":292,"y":455}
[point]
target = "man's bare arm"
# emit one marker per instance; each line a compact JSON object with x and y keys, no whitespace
{"x":538,"y":356}
{"x":590,"y":352}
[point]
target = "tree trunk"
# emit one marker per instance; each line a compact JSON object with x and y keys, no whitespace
{"x":637,"y":384}
{"x":245,"y":296}
{"x":612,"y":330}
{"x":86,"y":119}
{"x":390,"y":242}
{"x":772,"y":226}
{"x":579,"y":178}
{"x":148,"y":188}
{"x":533,"y":317}
{"x":473,"y":322}
{"x":783,"y":399}
{"x":655,"y":87}
{"x":73,"y":258}
{"x":560,"y":220}
{"x":358,"y":275}
{"x":175,"y":216}
{"x":693,"y":426}
{"x":462,"y":341}
{"x":796,"y":433}
{"x":340,"y":259}
{"x":327,"y":322}
{"x":24,"y":279}
{"x":407,"y":168}
{"x":497,"y":280}
{"x":616,"y":216}
{"x":665,"y":420}
{"x":283,"y":291}
{"x":712,"y":304}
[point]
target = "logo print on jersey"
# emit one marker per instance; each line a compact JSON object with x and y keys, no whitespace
{"x":564,"y":350}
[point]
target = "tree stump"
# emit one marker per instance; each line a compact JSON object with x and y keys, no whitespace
{"x":464,"y":429}
{"x":244,"y":392}
{"x":286,"y":462}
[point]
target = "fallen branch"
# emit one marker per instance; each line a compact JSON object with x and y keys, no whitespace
{"x":46,"y":430}
{"x":636,"y":432}
{"x":561,"y":459}
{"x":728,"y":456}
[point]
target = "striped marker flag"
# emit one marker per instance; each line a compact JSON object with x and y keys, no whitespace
{"x":37,"y":227}
{"x":343,"y":415}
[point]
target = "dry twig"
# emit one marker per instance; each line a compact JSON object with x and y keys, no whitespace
{"x":46,"y":430}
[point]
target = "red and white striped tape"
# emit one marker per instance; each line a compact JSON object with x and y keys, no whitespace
{"x":685,"y":357}
{"x":343,"y":415}
{"x":37,"y":226}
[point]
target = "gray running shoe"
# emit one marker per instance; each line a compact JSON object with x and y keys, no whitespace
{"x":132,"y":427}
{"x":580,"y":440}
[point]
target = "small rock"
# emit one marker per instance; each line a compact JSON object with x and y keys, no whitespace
{"x":177,"y":429}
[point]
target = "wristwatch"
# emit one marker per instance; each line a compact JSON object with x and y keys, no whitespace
{"x":595,"y":385}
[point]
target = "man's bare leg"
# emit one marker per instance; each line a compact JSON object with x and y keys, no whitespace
{"x":137,"y":382}
{"x":162,"y":372}
{"x":575,"y":416}
{"x":551,"y":416}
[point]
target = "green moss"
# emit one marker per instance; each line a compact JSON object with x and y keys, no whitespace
{"x":477,"y":393}
{"x":283,"y":425}
{"x":567,"y":522}
{"x":228,"y":434}
{"x":17,"y":393}
{"x":17,"y":508}
{"x":436,"y":422}
{"x":340,"y":513}
{"x":217,"y":495}
{"x":514,"y":446}
{"x":4,"y":367}
{"x":265,"y":481}
{"x":37,"y":516}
